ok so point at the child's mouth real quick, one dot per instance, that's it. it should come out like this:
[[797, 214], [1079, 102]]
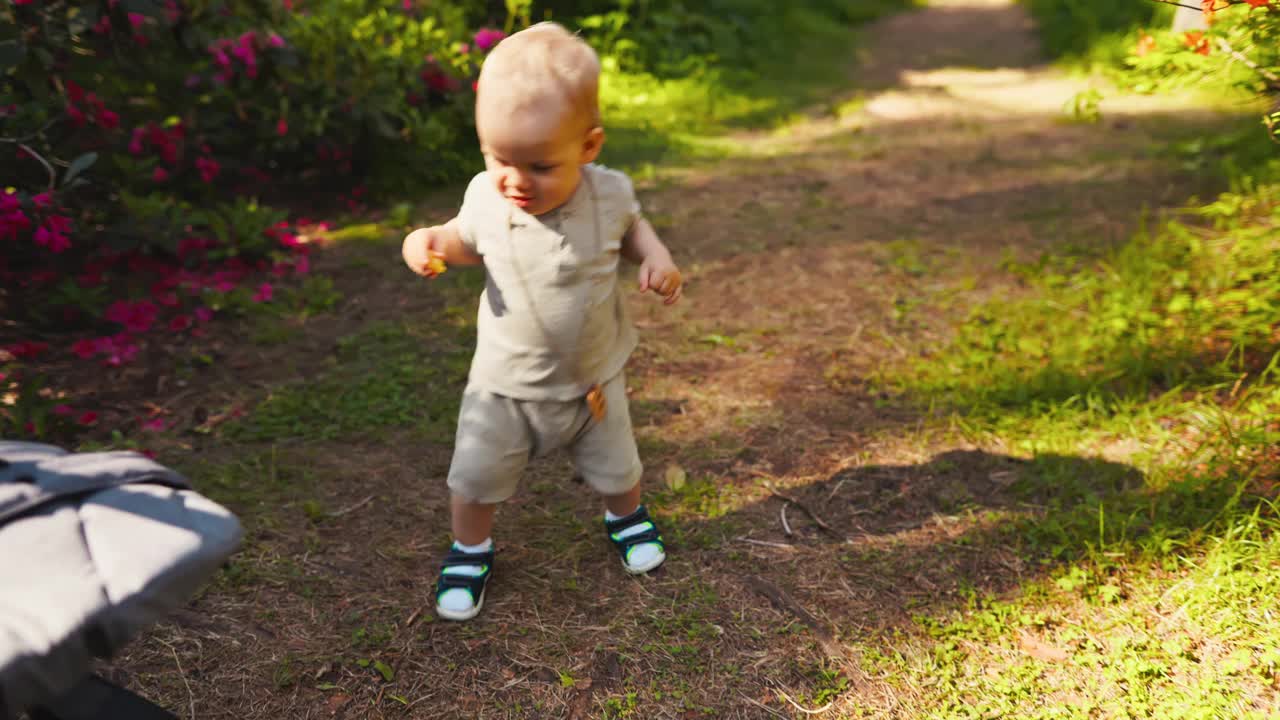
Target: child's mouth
[[520, 201]]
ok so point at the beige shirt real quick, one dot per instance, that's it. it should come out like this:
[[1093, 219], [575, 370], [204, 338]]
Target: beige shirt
[[552, 320]]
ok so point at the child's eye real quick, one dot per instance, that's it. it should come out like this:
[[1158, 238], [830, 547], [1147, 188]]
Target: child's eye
[[543, 168]]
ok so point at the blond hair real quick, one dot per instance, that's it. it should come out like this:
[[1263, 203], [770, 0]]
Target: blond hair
[[539, 65]]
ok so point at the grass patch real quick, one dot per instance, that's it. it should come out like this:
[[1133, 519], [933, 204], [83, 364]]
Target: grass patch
[[652, 118], [382, 377], [1161, 357]]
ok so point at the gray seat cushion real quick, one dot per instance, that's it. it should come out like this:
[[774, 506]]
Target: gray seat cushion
[[93, 548]]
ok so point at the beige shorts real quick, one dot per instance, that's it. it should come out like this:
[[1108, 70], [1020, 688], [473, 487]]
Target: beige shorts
[[498, 435]]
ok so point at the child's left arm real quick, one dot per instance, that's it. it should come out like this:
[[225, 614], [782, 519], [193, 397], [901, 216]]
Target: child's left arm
[[658, 272]]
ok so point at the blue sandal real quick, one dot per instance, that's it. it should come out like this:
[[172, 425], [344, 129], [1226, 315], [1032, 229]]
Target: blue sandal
[[472, 582], [638, 541]]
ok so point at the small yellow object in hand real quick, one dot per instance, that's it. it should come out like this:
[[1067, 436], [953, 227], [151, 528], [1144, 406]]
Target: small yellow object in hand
[[435, 264]]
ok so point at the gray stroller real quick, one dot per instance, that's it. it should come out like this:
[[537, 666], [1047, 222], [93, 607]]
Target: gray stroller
[[94, 547]]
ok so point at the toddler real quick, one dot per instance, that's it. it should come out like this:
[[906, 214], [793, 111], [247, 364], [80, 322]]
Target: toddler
[[550, 228]]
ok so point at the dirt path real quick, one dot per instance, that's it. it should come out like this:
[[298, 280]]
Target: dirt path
[[815, 258]]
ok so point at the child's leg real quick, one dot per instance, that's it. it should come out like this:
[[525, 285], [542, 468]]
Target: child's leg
[[460, 591], [607, 458], [624, 504], [472, 521], [491, 451]]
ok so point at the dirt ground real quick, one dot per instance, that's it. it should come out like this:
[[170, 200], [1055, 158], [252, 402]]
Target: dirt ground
[[818, 516]]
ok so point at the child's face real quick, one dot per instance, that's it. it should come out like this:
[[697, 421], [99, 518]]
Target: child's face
[[536, 158]]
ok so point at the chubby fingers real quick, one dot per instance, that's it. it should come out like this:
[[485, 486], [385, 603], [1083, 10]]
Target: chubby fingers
[[670, 286]]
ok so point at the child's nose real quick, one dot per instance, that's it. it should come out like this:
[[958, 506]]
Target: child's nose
[[517, 179]]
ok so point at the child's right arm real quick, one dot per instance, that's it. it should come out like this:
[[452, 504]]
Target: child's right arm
[[442, 242]]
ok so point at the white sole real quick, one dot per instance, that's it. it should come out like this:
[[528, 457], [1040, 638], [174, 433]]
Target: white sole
[[464, 614], [645, 568]]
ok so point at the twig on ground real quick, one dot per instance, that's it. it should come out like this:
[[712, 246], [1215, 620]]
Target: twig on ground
[[191, 696], [801, 708], [764, 707], [753, 541], [353, 508], [807, 511], [783, 514], [782, 601]]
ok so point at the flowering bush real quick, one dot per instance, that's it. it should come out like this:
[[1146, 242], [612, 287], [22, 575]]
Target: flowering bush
[[138, 136]]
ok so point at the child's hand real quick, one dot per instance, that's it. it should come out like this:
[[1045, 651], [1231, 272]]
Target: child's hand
[[661, 275], [424, 252]]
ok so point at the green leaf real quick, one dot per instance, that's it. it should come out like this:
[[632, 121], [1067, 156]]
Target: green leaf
[[12, 53], [79, 165], [385, 670]]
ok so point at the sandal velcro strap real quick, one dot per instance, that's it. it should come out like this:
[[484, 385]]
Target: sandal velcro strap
[[471, 583], [624, 544]]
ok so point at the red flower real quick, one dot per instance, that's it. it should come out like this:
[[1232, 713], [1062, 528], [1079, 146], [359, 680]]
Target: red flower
[[85, 348], [264, 293], [159, 174], [43, 200], [180, 323], [108, 119], [282, 127], [77, 116], [154, 424], [74, 92], [203, 314], [1258, 3], [88, 418], [27, 349], [63, 410]]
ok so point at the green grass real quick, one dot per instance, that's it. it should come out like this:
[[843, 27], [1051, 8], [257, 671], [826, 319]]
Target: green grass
[[1085, 33], [392, 374], [651, 118], [1161, 357]]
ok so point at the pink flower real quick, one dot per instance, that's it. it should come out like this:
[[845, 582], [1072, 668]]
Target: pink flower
[[275, 41], [75, 93], [136, 20], [55, 241], [179, 323], [487, 37], [9, 202], [89, 417], [109, 119], [43, 200], [136, 317], [264, 293], [302, 266], [135, 142], [463, 48], [122, 349], [154, 424], [159, 174], [208, 167], [58, 223], [282, 127], [63, 410], [203, 314]]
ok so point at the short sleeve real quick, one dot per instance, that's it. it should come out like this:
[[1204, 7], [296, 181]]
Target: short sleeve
[[474, 204], [619, 195]]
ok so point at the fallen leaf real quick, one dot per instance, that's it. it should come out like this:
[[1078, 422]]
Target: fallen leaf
[[676, 477], [1041, 650]]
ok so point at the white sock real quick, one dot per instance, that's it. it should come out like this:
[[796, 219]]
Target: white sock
[[641, 554], [457, 599]]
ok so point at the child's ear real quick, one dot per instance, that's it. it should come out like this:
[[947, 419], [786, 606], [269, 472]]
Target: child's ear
[[592, 145]]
